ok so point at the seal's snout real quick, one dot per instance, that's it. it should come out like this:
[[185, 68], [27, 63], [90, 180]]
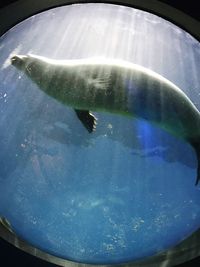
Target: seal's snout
[[17, 60], [13, 60]]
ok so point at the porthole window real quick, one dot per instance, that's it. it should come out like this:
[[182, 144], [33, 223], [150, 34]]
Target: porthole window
[[99, 133]]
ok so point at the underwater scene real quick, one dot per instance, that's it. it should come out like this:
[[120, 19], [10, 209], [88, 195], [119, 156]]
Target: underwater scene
[[121, 192]]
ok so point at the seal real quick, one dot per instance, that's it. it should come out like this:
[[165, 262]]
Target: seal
[[115, 86]]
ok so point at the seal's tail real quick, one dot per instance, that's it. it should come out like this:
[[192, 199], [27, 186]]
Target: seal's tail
[[195, 143]]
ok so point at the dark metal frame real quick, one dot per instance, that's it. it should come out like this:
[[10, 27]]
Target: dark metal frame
[[22, 9]]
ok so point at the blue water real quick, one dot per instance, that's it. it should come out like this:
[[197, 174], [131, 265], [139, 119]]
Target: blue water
[[120, 194]]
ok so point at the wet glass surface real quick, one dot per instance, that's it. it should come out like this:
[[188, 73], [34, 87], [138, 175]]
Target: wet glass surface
[[121, 193]]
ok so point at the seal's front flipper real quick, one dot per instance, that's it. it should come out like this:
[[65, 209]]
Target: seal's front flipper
[[87, 119]]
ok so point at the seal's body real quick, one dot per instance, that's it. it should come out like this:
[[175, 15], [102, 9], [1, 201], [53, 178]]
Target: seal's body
[[118, 87]]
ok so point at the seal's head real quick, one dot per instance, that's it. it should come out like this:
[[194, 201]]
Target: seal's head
[[19, 61], [35, 67]]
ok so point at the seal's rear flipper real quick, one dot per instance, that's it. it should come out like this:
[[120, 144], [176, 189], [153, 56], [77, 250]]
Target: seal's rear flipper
[[88, 120]]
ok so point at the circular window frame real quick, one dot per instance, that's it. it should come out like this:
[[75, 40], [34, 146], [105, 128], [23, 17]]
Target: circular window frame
[[21, 10]]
